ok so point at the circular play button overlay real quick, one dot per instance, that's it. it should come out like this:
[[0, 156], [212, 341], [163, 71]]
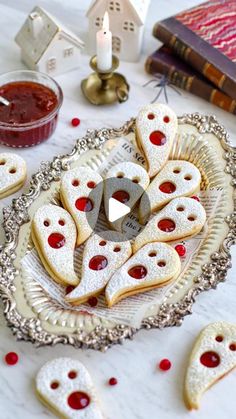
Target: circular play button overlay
[[119, 208]]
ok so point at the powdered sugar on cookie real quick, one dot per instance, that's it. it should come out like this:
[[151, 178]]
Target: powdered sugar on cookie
[[12, 173], [177, 178], [156, 128], [213, 356], [66, 386], [181, 218], [155, 265], [101, 258]]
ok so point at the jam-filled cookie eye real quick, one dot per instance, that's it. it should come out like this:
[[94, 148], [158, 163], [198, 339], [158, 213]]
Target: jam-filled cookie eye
[[161, 263], [102, 243], [151, 116], [91, 184], [120, 175], [2, 162], [75, 182], [72, 375], [232, 346], [46, 223], [12, 170], [116, 249], [54, 385], [152, 254], [61, 222], [219, 338], [192, 218], [180, 208], [177, 170], [188, 177], [136, 180], [166, 119]]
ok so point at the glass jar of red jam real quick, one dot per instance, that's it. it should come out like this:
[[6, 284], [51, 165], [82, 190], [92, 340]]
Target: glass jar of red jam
[[34, 102]]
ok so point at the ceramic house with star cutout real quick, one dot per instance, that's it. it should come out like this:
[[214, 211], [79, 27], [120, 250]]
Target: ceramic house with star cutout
[[127, 19], [46, 45]]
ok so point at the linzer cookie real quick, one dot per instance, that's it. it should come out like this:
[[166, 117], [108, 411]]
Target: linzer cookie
[[81, 194], [153, 266], [156, 128], [180, 219], [124, 182], [212, 357], [54, 236], [101, 258], [12, 173], [65, 386], [177, 178]]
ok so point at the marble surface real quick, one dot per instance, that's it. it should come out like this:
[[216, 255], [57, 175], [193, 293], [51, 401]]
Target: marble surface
[[143, 391]]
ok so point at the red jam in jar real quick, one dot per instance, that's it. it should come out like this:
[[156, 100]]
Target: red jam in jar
[[31, 116]]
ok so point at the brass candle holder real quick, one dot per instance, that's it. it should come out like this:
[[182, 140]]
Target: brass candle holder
[[105, 87]]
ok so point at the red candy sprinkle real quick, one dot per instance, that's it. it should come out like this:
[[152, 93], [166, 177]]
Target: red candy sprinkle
[[121, 196], [78, 400], [157, 138], [196, 198], [84, 204], [138, 272], [97, 263], [56, 240], [113, 381], [75, 122], [92, 301], [165, 364], [11, 358], [166, 225], [180, 249], [210, 359], [167, 187]]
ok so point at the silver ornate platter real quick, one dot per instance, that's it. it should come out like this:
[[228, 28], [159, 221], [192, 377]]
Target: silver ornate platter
[[34, 316]]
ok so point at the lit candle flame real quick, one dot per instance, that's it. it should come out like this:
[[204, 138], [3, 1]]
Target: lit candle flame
[[105, 24]]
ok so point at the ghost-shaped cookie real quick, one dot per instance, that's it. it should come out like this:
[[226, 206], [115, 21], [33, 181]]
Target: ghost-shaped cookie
[[153, 266], [177, 178], [53, 232], [102, 257], [181, 218], [12, 173], [81, 194], [124, 182], [65, 386], [156, 128], [212, 357]]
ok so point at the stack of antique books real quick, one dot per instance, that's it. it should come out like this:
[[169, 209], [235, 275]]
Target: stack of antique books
[[199, 52]]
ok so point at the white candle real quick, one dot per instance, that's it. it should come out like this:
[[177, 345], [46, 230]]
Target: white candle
[[104, 46]]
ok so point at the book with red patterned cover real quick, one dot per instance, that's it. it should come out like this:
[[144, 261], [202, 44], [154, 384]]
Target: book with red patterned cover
[[182, 75], [205, 37]]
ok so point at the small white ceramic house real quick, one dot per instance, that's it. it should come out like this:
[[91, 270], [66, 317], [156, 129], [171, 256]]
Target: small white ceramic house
[[127, 19], [46, 45]]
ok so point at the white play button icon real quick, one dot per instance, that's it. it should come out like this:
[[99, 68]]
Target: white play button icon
[[116, 210]]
